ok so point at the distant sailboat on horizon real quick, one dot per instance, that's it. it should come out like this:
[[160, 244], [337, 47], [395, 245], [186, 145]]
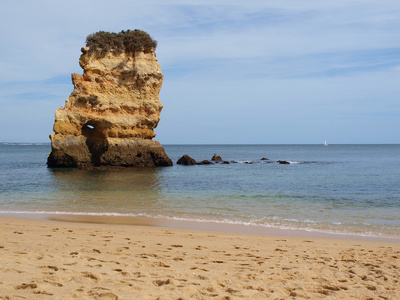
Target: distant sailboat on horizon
[[325, 143]]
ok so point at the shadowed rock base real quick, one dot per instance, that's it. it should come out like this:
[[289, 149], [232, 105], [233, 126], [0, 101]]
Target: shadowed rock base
[[80, 152]]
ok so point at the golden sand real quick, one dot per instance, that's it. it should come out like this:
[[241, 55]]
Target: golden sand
[[42, 259]]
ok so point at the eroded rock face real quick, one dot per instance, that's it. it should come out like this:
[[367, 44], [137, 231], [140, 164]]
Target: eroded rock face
[[110, 116]]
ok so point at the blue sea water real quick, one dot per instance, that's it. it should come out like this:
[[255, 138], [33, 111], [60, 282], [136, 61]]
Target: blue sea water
[[339, 189]]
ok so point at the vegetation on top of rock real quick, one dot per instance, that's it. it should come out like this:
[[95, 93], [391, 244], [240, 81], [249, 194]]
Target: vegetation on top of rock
[[125, 41]]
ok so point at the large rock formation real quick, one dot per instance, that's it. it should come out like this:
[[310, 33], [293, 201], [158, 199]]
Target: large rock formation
[[109, 118]]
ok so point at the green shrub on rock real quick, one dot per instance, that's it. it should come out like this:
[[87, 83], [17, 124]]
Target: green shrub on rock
[[125, 41]]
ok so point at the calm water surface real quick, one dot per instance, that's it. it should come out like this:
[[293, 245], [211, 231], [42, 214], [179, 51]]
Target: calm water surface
[[348, 189]]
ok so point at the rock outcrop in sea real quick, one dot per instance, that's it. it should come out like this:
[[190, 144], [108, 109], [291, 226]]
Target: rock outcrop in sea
[[216, 157], [109, 118], [186, 160]]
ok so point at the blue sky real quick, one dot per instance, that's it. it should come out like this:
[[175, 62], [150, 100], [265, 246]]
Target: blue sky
[[259, 72]]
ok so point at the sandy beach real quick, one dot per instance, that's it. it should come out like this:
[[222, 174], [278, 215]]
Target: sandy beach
[[43, 259]]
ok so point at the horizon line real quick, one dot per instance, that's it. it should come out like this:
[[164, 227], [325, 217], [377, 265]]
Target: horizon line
[[211, 144]]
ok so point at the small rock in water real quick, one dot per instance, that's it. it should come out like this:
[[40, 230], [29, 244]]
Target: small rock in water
[[186, 160], [283, 162], [205, 162], [216, 158]]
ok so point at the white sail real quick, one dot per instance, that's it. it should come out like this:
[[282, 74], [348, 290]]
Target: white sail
[[325, 143]]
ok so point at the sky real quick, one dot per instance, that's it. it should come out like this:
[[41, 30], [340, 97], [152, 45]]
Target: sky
[[235, 72]]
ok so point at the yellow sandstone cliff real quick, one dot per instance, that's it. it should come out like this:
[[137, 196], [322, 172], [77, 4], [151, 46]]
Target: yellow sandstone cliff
[[109, 118]]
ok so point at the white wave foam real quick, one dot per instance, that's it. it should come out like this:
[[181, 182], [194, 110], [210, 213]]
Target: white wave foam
[[249, 162], [68, 213], [256, 224]]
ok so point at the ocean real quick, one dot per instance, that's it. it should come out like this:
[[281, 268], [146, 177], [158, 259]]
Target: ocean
[[343, 190]]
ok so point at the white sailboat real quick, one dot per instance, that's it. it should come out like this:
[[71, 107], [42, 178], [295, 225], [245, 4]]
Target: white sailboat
[[325, 143]]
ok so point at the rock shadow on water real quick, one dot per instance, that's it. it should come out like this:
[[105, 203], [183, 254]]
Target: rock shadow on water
[[126, 191]]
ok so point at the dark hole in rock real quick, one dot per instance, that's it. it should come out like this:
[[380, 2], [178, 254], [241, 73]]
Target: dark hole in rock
[[95, 140]]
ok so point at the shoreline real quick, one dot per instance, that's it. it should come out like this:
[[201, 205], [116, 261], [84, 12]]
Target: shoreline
[[200, 225], [43, 259]]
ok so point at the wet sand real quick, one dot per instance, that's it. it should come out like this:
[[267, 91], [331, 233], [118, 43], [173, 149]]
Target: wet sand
[[47, 259]]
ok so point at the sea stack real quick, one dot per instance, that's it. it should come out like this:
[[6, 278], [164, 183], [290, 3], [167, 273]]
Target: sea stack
[[109, 118]]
